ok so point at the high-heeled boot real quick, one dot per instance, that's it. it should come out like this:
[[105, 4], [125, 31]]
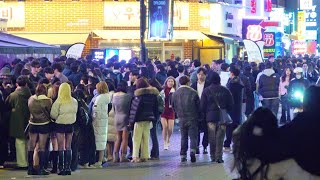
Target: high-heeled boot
[[67, 162], [42, 161], [61, 163], [54, 155]]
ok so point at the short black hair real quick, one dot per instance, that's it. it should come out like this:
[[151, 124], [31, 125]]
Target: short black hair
[[57, 66], [184, 80], [134, 73], [21, 81], [122, 86], [215, 78], [25, 72], [196, 63], [74, 67], [269, 65], [180, 68], [161, 67], [235, 71], [35, 64], [202, 70], [44, 81], [224, 66], [116, 65], [48, 70]]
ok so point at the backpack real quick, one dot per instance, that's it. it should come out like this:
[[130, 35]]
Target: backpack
[[83, 117]]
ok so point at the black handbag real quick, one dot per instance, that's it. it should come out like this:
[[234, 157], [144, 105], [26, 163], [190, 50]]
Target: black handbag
[[225, 118]]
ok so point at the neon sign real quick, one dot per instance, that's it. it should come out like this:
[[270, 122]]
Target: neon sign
[[268, 39], [254, 33], [268, 5], [253, 6]]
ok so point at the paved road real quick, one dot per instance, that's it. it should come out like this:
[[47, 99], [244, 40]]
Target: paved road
[[169, 167]]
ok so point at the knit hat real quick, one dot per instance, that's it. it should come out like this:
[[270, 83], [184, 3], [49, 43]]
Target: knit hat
[[5, 71]]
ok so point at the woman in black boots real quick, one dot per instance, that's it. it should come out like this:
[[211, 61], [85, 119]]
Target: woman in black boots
[[39, 128], [64, 111]]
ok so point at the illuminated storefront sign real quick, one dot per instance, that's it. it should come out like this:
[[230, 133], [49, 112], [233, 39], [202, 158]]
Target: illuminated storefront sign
[[257, 9], [301, 20], [268, 5], [14, 12], [311, 17], [252, 30], [160, 19], [299, 47], [269, 44]]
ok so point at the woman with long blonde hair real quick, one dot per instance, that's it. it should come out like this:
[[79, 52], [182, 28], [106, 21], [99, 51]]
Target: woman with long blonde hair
[[64, 112]]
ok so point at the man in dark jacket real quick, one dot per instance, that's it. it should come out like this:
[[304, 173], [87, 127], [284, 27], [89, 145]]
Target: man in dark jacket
[[236, 88], [19, 118], [268, 88], [35, 69], [75, 76], [249, 94], [186, 104], [199, 86], [212, 95]]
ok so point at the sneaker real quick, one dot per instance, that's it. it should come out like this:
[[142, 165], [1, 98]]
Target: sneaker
[[85, 166], [212, 159], [166, 147], [97, 165], [197, 151], [193, 157]]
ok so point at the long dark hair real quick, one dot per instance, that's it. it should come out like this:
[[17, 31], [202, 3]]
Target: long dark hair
[[284, 74], [250, 141]]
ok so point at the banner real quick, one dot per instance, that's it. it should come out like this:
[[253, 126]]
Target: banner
[[301, 25], [269, 44], [75, 51], [253, 51], [160, 19]]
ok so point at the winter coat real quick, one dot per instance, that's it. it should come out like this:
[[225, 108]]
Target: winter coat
[[75, 78], [40, 108], [208, 104], [161, 77], [144, 106], [20, 115], [237, 90], [195, 86], [64, 113], [193, 75], [112, 130], [121, 106], [250, 96], [186, 104], [100, 120], [269, 83]]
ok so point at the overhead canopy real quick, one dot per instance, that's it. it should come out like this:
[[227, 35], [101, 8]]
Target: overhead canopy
[[55, 38], [24, 46], [135, 34], [224, 37]]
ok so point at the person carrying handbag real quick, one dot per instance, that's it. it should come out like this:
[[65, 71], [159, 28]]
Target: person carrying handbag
[[215, 103]]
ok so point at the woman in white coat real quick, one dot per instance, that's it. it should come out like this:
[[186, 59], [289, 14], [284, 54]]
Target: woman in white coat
[[100, 120]]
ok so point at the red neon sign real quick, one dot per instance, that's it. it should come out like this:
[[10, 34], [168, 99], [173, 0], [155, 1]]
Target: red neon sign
[[253, 6], [268, 5], [254, 33], [268, 39]]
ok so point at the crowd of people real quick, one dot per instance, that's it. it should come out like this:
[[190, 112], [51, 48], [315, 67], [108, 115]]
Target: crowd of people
[[82, 113]]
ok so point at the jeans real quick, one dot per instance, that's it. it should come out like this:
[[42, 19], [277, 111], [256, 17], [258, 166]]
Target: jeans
[[21, 152], [272, 104], [141, 135], [216, 136], [204, 128], [285, 109], [154, 139], [229, 130], [188, 130]]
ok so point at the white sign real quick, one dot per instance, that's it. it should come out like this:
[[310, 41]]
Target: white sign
[[127, 14], [75, 51], [253, 51], [277, 14], [311, 17], [14, 12], [204, 17], [305, 4], [225, 20], [311, 35]]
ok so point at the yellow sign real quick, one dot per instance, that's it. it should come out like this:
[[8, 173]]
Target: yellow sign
[[301, 31]]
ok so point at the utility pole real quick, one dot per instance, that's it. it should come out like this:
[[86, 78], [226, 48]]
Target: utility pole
[[143, 20]]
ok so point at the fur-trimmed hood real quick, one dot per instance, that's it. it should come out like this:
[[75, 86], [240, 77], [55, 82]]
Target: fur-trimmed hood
[[148, 90]]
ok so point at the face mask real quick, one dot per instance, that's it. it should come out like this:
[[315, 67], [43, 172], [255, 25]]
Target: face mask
[[298, 76]]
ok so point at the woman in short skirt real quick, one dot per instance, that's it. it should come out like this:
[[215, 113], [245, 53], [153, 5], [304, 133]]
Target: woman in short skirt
[[39, 127], [64, 112]]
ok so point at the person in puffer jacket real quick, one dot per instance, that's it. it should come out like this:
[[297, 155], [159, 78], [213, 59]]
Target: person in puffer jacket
[[100, 120], [144, 110], [64, 112]]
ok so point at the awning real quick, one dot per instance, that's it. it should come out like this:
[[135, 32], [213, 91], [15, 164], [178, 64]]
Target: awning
[[224, 37], [135, 34], [55, 38]]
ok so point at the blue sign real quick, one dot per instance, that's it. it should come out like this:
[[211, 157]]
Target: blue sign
[[278, 44], [160, 19]]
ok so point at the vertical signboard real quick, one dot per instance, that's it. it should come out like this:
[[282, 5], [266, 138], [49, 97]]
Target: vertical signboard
[[301, 25], [305, 4], [252, 30], [269, 44], [160, 19]]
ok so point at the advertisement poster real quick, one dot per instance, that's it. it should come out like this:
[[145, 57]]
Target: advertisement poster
[[299, 47], [160, 19], [278, 45], [269, 44], [253, 51], [301, 20]]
